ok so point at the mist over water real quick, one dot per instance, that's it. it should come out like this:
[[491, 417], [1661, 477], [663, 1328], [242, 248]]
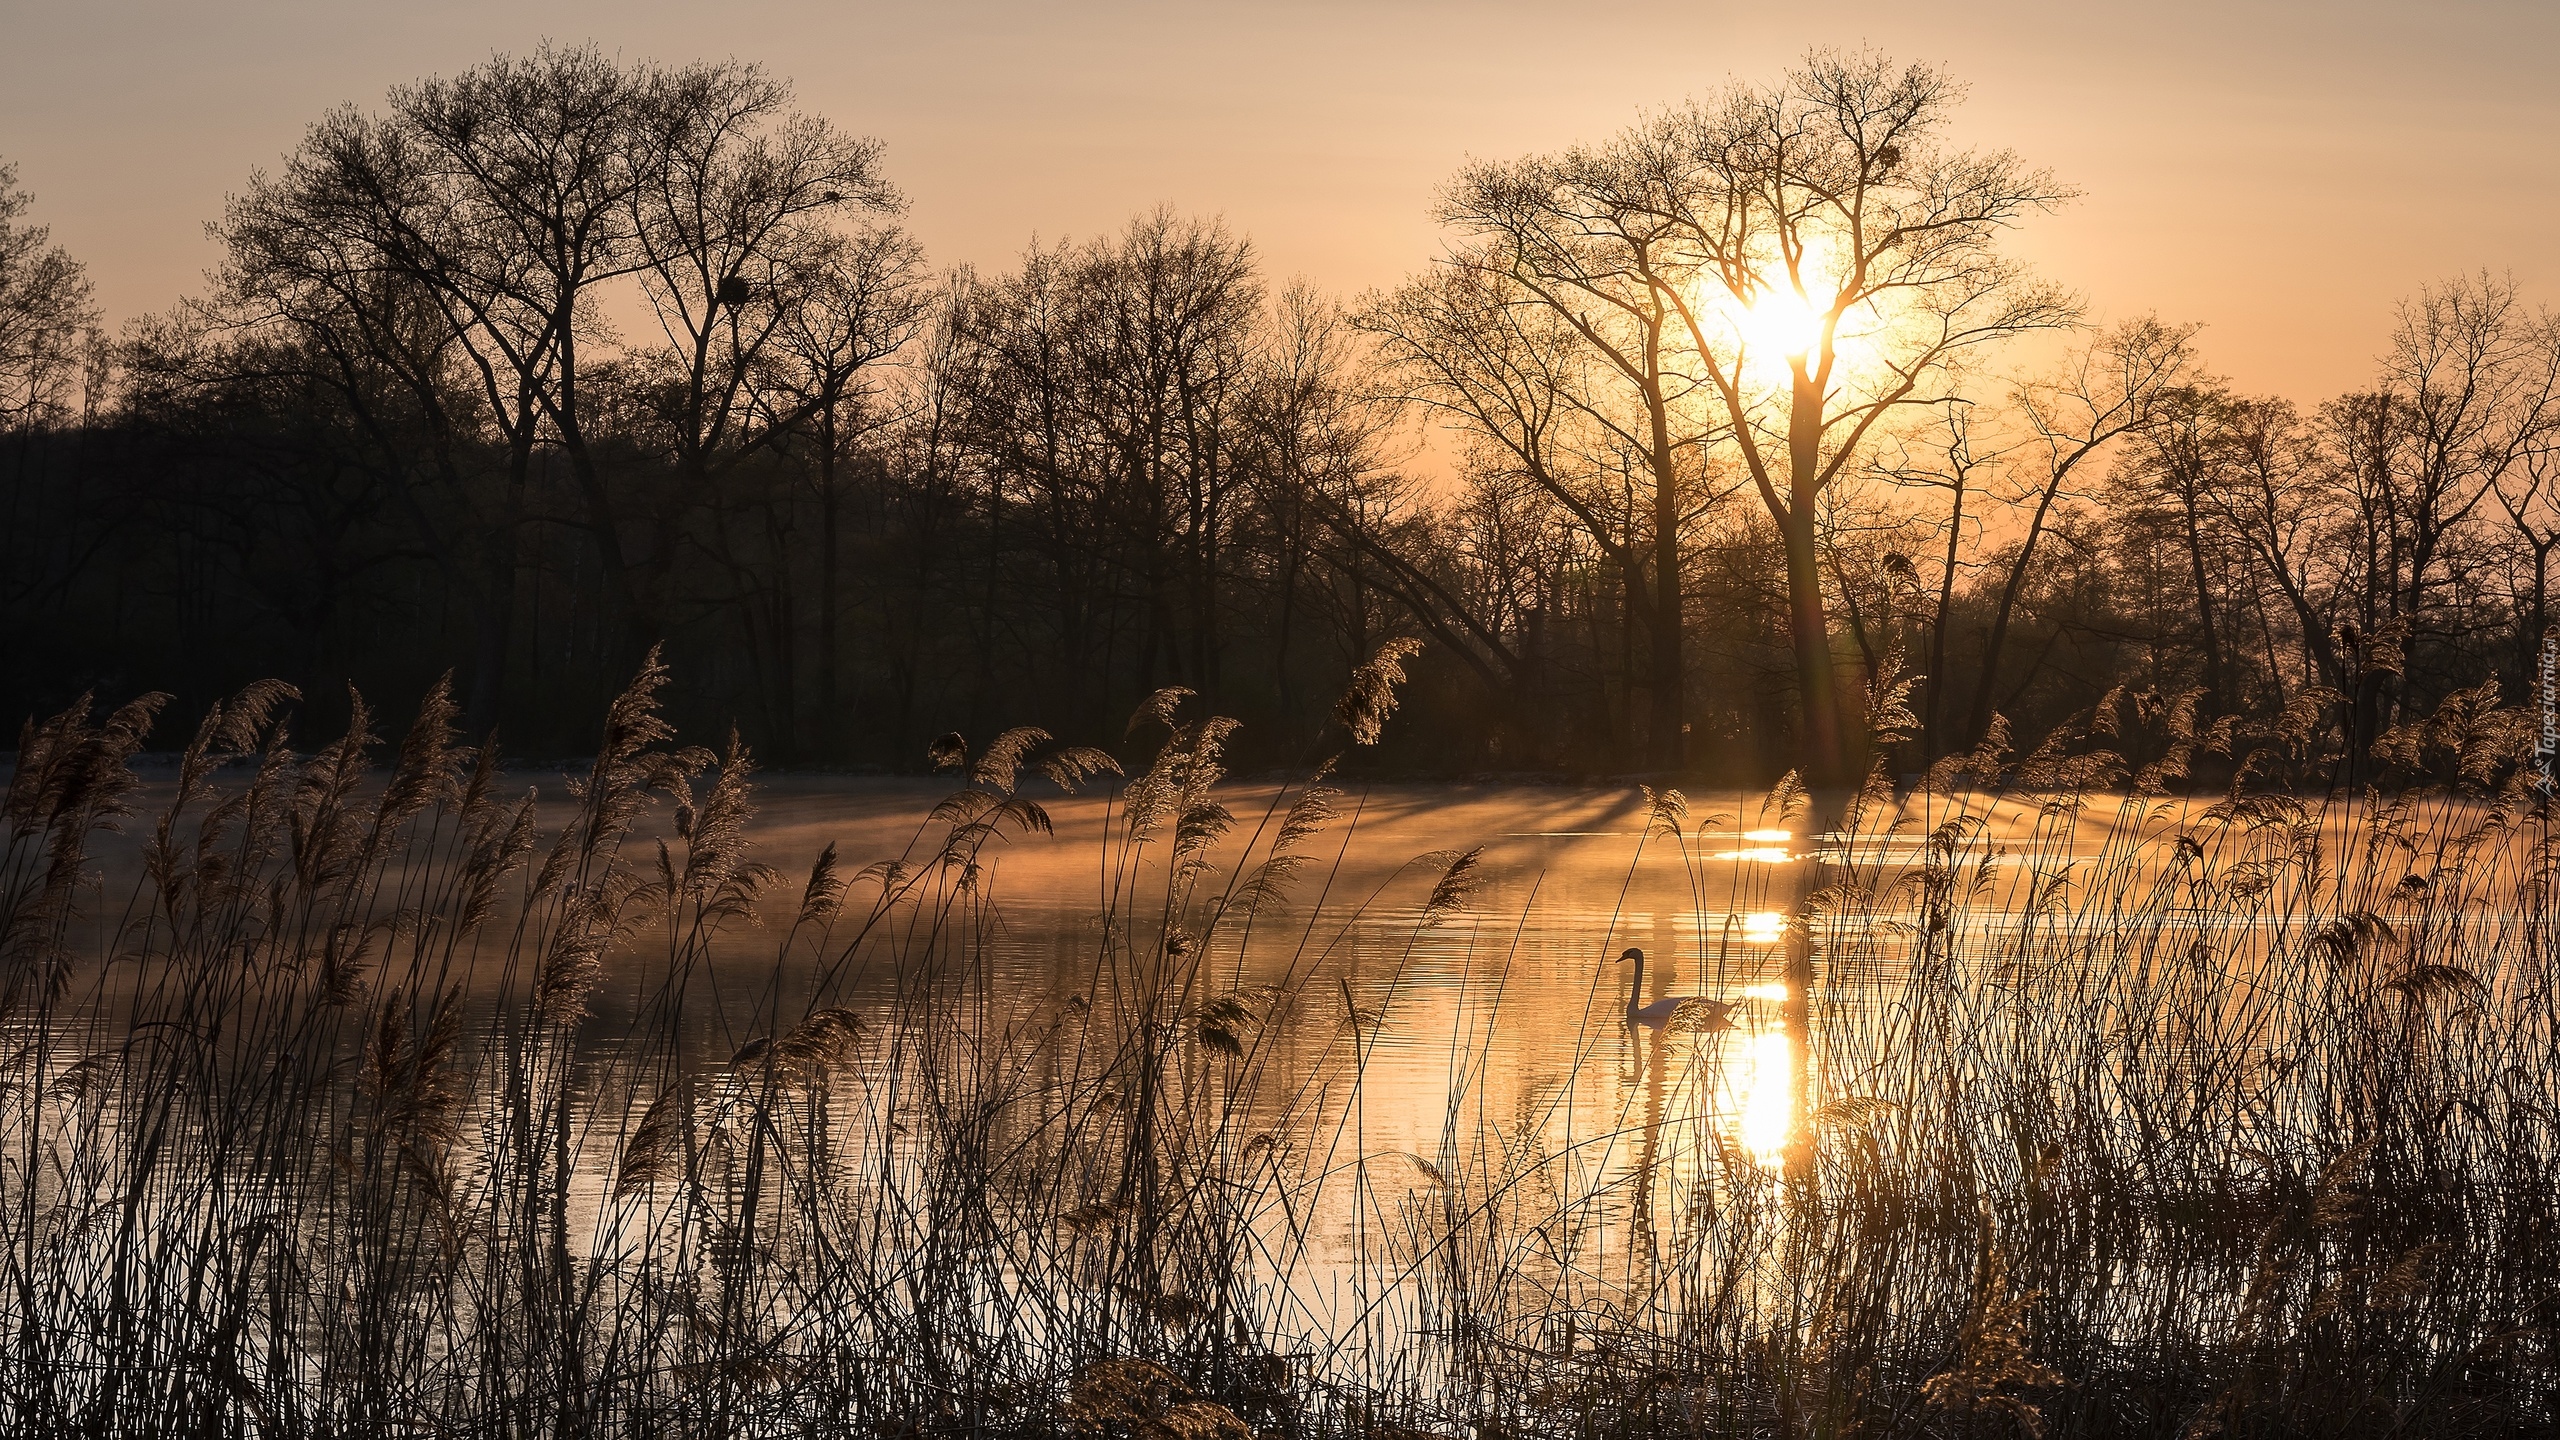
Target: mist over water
[[1511, 1007]]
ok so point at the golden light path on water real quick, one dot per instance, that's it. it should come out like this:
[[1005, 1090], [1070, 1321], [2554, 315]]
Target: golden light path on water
[[1766, 1092]]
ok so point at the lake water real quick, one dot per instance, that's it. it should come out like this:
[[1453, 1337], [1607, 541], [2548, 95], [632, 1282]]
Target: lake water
[[2162, 953], [1512, 1006], [1516, 997]]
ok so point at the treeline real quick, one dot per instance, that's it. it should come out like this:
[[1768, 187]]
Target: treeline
[[1695, 448]]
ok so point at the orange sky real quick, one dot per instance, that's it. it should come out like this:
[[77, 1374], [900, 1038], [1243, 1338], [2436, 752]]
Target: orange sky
[[2279, 172]]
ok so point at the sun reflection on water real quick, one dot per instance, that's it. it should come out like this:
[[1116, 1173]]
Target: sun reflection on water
[[1765, 1095]]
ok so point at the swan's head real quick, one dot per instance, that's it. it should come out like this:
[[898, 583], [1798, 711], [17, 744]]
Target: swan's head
[[1632, 953]]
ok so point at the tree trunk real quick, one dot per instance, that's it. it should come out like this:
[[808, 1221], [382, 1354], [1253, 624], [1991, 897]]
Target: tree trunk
[[1987, 685], [1933, 720], [1668, 750], [2213, 684], [495, 622], [1824, 760], [828, 732]]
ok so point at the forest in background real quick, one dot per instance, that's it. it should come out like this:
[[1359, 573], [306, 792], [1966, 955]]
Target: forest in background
[[1694, 446]]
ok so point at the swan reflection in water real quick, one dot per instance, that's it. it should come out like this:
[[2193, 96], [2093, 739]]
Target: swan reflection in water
[[1745, 1081], [1751, 1076]]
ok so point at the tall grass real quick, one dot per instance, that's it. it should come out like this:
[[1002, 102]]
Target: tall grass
[[2242, 1122]]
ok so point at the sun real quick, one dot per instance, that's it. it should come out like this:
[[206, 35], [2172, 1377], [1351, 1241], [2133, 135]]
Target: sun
[[1774, 319], [1781, 322]]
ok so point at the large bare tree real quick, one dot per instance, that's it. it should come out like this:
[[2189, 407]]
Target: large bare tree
[[507, 203], [502, 198], [1552, 339], [1756, 282], [734, 228], [1843, 261], [2466, 393], [856, 302]]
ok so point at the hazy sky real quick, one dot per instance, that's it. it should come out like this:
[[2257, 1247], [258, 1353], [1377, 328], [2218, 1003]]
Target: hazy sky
[[2280, 172]]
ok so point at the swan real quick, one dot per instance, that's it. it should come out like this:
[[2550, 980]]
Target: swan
[[1709, 1014]]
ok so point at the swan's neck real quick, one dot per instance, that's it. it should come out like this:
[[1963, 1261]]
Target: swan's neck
[[1635, 987]]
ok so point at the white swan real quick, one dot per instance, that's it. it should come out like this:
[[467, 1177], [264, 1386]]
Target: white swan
[[1702, 1013]]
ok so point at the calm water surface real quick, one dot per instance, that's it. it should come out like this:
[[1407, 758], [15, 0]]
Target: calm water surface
[[1505, 1018], [1515, 1002]]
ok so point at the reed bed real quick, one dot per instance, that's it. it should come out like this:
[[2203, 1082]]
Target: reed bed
[[312, 1126]]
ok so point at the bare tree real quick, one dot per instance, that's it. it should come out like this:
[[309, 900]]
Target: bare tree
[[1316, 447], [2110, 387], [857, 301], [2463, 394], [2529, 496], [46, 318], [1949, 453], [48, 332], [503, 196], [1843, 261], [2271, 489], [2480, 373], [2173, 468], [1554, 336], [730, 224]]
